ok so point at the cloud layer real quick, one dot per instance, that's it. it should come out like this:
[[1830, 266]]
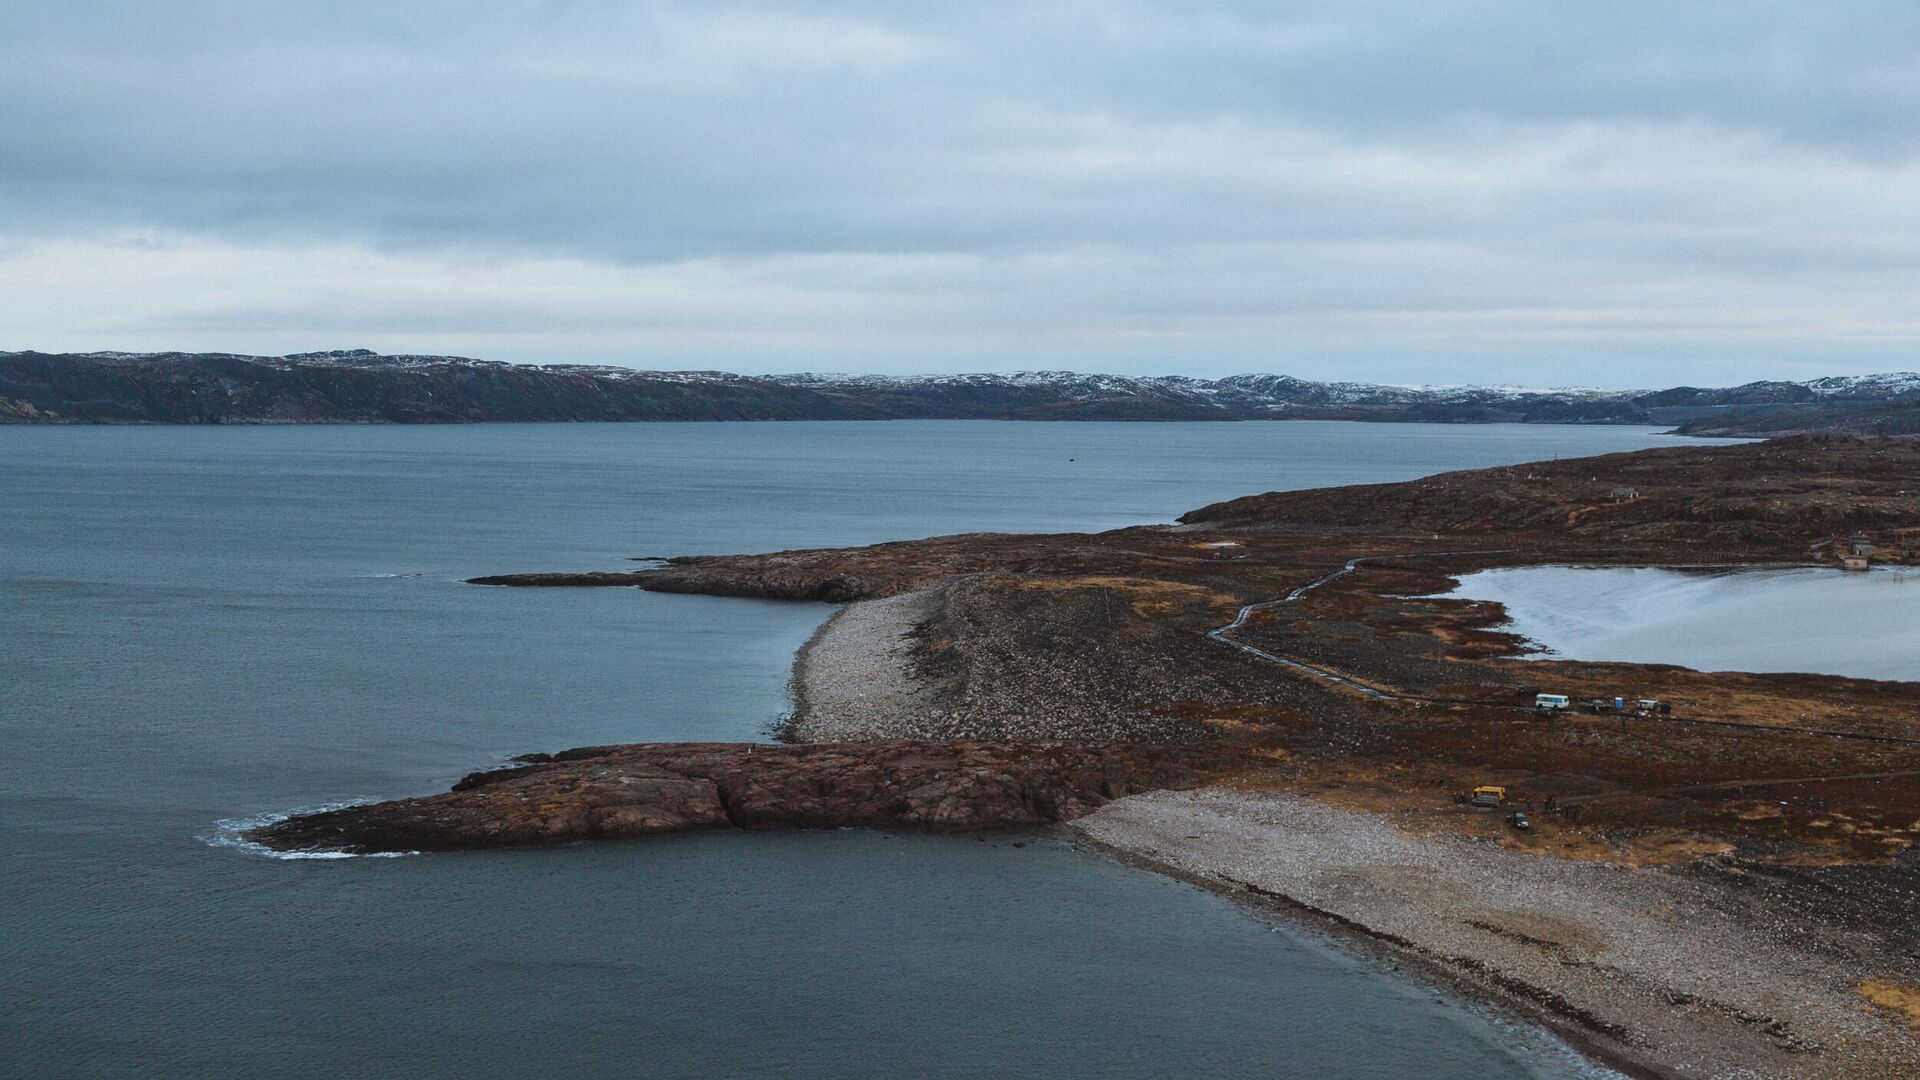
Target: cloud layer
[[1624, 194]]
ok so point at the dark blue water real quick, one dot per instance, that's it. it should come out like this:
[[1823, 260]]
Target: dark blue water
[[201, 625]]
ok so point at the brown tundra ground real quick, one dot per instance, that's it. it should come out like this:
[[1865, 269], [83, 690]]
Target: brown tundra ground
[[1735, 891]]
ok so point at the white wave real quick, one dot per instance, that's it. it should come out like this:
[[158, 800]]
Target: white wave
[[231, 833]]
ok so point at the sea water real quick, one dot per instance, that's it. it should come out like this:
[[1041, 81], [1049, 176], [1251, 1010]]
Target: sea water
[[202, 627]]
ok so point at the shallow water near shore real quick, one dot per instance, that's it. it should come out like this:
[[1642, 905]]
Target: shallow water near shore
[[205, 625], [1803, 619]]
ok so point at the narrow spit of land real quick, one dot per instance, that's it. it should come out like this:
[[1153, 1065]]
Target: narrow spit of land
[[1725, 889]]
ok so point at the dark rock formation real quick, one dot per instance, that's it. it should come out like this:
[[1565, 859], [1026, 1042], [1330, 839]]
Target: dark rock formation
[[608, 792]]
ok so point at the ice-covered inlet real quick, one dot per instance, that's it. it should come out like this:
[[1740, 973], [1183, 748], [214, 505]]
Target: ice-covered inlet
[[1803, 619]]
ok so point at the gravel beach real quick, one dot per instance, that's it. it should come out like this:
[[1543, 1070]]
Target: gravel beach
[[855, 678], [888, 669], [1723, 888], [1660, 972], [1644, 967]]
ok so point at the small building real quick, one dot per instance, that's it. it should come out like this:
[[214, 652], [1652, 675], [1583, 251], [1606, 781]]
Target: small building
[[1854, 562], [1859, 544], [1625, 494]]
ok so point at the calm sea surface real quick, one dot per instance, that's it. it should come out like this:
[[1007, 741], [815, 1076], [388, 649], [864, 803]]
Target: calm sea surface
[[203, 625]]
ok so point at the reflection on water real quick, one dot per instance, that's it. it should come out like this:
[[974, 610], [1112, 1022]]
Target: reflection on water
[[1810, 619]]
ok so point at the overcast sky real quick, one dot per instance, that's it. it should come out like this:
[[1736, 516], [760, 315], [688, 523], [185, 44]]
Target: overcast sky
[[1614, 194]]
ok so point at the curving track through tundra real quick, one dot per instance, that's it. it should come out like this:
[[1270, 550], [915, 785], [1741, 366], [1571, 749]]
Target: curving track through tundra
[[1223, 634]]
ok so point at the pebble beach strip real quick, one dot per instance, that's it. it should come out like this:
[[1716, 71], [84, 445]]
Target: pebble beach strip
[[1644, 968], [1635, 964], [854, 679]]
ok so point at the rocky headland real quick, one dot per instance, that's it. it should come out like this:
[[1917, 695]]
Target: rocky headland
[[622, 792], [1273, 698]]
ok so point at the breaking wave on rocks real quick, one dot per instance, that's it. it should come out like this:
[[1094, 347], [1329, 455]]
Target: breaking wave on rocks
[[232, 833]]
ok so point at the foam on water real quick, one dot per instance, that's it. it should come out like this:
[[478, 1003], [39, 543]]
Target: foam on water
[[231, 833]]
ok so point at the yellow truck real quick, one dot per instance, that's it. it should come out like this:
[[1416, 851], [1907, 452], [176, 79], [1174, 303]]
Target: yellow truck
[[1488, 796]]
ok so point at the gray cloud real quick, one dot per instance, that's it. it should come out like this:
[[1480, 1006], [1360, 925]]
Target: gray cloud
[[1618, 194]]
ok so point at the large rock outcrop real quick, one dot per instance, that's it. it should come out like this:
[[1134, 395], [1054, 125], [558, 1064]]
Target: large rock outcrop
[[609, 792]]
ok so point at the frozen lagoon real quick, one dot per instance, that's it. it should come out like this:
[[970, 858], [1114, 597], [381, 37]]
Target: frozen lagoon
[[1807, 619]]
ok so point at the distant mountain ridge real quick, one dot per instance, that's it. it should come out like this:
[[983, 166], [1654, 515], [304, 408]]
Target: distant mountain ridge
[[359, 386]]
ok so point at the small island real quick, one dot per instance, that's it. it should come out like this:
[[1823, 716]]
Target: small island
[[1274, 699]]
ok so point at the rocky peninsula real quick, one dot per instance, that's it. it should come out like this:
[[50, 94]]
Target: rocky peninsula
[[622, 792], [1272, 699]]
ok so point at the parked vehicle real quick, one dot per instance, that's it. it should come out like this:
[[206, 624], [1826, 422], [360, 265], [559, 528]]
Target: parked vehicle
[[1489, 796], [1551, 702]]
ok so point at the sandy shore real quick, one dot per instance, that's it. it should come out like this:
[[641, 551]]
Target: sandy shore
[[1646, 968]]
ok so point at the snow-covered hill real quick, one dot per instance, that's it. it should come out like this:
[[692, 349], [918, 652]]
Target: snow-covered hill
[[360, 385]]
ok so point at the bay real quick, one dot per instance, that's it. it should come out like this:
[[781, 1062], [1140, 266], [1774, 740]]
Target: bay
[[207, 625]]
